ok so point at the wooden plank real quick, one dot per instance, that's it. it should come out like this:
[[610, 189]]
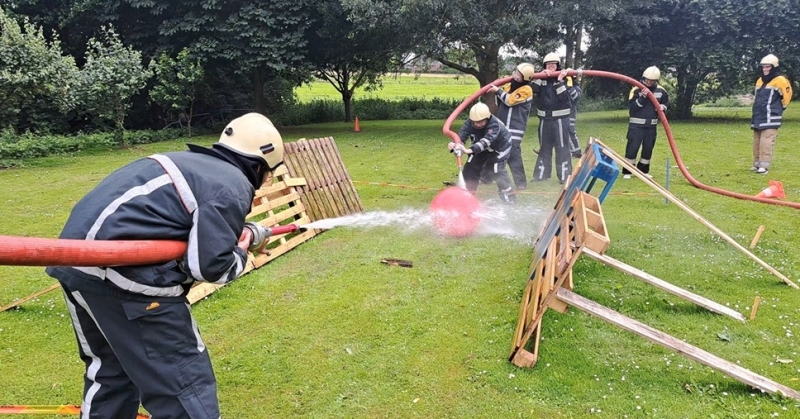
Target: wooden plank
[[314, 182], [351, 201], [658, 337], [295, 168], [672, 198], [351, 187], [330, 184], [664, 285], [757, 236], [30, 297]]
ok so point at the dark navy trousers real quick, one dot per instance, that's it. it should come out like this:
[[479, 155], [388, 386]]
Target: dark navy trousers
[[141, 351]]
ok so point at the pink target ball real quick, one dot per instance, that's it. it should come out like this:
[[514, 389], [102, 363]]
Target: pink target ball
[[454, 212]]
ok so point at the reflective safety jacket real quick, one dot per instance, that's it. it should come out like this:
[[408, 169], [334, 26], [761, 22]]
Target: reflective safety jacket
[[493, 137], [185, 196], [770, 102], [515, 109], [642, 113], [551, 98]]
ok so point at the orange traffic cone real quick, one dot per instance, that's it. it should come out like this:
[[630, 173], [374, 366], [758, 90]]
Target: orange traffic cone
[[775, 190], [356, 126]]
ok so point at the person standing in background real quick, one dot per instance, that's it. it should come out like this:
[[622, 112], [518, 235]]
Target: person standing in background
[[551, 98], [643, 121], [772, 95]]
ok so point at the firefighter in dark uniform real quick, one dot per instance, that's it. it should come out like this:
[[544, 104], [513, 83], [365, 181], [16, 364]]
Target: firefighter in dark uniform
[[134, 327], [551, 98], [490, 147], [643, 121], [514, 110], [772, 96]]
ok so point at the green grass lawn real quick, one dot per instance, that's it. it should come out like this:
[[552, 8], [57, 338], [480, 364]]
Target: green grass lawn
[[398, 87], [328, 331]]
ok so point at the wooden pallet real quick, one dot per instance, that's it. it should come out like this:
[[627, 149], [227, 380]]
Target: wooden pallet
[[276, 203], [312, 185], [329, 191]]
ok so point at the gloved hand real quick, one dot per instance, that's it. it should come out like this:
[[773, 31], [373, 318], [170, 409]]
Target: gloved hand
[[451, 146], [663, 107], [644, 92]]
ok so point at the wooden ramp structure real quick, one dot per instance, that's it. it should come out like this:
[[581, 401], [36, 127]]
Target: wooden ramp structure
[[577, 226], [313, 184]]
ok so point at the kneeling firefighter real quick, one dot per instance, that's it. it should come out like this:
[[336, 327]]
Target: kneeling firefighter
[[490, 146]]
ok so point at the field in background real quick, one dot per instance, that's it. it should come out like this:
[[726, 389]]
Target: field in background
[[397, 87], [328, 331]]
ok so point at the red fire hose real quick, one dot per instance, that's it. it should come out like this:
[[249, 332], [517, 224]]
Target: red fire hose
[[29, 251], [661, 116]]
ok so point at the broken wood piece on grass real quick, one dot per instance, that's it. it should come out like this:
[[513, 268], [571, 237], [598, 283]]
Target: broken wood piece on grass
[[757, 236], [756, 303], [398, 262]]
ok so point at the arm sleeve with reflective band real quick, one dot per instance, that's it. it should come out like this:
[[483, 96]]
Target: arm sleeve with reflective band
[[490, 135], [523, 94], [664, 98], [212, 251]]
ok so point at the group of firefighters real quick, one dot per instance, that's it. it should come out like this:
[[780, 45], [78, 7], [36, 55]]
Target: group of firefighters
[[134, 329], [496, 140]]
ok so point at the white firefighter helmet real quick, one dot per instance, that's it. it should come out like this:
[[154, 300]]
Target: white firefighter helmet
[[552, 57], [527, 70], [479, 112], [652, 73], [254, 134], [770, 60]]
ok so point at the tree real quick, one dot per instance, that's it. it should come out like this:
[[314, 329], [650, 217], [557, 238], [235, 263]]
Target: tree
[[465, 35], [177, 82], [113, 73], [694, 41], [36, 80], [348, 56], [263, 39]]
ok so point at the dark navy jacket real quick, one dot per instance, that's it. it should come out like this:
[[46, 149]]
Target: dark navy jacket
[[184, 196]]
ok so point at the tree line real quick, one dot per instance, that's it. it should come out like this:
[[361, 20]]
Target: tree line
[[68, 65]]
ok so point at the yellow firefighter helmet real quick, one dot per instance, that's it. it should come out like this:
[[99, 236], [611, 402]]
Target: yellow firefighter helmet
[[527, 70], [254, 134], [770, 60], [479, 112], [652, 73], [552, 58]]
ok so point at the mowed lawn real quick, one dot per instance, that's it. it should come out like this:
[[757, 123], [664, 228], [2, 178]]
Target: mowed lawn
[[398, 87], [328, 331]]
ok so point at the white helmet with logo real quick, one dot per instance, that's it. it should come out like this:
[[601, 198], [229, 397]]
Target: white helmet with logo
[[479, 112], [254, 134]]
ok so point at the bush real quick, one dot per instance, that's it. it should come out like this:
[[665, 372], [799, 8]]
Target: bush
[[16, 147], [319, 111], [602, 103]]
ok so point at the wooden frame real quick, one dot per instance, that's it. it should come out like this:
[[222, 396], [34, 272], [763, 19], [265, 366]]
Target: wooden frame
[[576, 226]]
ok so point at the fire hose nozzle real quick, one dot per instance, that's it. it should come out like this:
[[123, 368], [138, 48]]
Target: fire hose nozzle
[[261, 234]]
